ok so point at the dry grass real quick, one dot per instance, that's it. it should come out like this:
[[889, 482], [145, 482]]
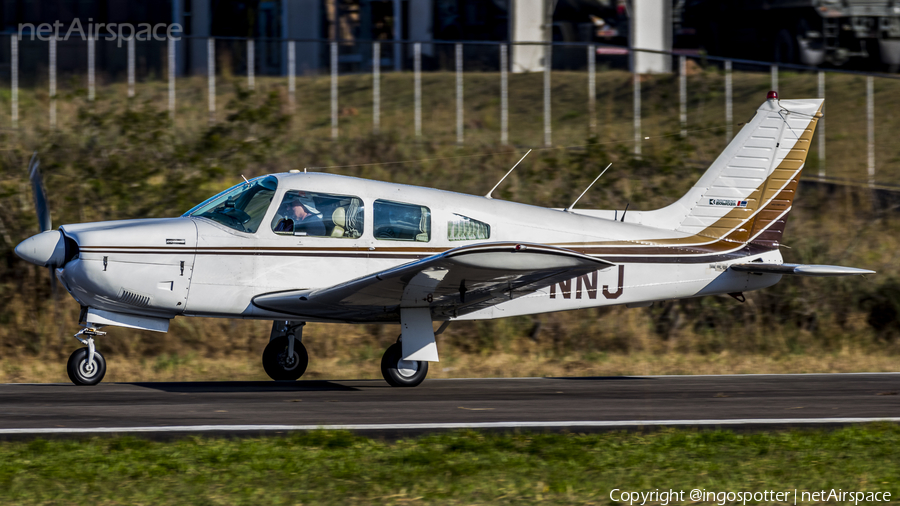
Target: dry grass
[[247, 367]]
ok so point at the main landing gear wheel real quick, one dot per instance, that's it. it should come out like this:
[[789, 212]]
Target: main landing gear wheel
[[279, 365], [402, 373], [83, 373]]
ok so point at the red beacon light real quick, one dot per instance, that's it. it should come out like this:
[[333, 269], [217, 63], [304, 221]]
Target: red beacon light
[[772, 95]]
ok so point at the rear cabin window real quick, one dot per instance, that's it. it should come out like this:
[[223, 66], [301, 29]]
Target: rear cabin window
[[314, 214], [396, 221], [463, 228]]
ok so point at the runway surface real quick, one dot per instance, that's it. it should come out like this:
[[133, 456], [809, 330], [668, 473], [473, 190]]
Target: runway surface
[[372, 406]]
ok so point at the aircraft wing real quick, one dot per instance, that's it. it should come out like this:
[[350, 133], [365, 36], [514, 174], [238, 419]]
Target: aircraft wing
[[799, 269], [452, 283]]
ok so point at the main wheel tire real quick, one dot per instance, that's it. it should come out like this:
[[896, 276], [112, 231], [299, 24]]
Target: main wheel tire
[[82, 373], [279, 366], [402, 373]]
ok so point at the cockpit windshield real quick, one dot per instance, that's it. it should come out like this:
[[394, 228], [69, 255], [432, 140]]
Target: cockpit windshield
[[240, 207]]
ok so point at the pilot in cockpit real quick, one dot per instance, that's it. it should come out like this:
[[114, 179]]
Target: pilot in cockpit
[[300, 216]]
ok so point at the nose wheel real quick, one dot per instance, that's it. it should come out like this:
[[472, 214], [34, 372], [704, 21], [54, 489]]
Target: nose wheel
[[402, 373], [86, 366], [84, 372]]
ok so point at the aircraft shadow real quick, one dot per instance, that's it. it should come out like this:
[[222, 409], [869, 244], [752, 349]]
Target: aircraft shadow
[[600, 378], [245, 386]]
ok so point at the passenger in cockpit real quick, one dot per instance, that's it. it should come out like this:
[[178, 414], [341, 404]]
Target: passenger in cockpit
[[301, 216]]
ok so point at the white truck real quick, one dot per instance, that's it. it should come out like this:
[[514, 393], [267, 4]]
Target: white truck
[[809, 32]]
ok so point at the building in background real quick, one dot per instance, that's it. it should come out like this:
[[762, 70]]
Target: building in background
[[352, 23]]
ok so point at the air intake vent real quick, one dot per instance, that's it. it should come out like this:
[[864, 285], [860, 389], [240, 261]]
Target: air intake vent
[[71, 249], [134, 299]]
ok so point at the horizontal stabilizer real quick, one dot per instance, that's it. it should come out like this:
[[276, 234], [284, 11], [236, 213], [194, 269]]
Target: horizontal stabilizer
[[800, 269]]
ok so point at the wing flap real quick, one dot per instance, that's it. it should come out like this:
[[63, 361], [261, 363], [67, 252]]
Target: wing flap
[[800, 269], [456, 282]]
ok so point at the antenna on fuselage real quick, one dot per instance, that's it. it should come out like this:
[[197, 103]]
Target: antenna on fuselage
[[569, 209], [245, 179], [504, 177]]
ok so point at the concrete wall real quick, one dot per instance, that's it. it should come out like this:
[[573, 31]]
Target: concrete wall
[[651, 22], [527, 25]]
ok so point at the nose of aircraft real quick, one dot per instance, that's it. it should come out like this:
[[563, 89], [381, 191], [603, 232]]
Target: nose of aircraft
[[47, 249]]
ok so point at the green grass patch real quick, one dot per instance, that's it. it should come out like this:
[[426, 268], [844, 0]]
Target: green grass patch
[[451, 468]]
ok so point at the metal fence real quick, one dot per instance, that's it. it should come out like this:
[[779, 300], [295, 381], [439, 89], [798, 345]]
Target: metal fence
[[699, 100]]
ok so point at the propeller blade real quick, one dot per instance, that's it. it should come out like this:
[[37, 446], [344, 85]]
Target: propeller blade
[[52, 282], [40, 206], [40, 194]]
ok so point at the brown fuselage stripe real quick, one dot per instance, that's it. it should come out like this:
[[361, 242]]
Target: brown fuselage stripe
[[596, 251], [746, 250]]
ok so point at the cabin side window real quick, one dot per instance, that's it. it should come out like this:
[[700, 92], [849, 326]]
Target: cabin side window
[[463, 228], [396, 221], [313, 214]]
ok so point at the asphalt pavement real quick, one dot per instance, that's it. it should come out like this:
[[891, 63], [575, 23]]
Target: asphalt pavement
[[575, 403]]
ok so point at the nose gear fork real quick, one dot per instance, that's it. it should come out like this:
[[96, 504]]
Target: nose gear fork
[[90, 332]]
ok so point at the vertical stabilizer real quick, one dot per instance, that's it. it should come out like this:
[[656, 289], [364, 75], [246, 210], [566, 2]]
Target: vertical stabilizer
[[746, 194]]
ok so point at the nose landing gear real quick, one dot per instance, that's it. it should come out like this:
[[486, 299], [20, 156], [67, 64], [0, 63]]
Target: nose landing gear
[[86, 366]]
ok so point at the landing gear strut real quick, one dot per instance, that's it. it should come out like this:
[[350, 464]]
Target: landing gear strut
[[87, 366], [402, 373], [285, 358]]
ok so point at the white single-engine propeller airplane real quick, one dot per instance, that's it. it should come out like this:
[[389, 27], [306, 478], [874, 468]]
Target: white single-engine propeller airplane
[[314, 247]]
